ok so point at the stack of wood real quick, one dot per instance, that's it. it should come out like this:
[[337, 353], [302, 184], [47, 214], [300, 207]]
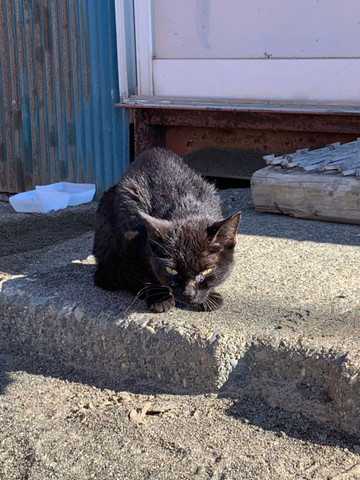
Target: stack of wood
[[322, 184]]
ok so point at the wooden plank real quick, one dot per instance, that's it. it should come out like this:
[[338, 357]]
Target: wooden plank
[[238, 104], [313, 196], [334, 157]]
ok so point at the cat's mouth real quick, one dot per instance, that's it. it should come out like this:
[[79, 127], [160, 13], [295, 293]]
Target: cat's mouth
[[211, 302], [201, 301]]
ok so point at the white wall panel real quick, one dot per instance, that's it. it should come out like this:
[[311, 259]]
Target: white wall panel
[[296, 80], [256, 28]]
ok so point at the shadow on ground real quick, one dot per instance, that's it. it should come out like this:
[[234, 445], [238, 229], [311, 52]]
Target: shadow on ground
[[285, 389], [5, 379], [282, 422], [21, 233], [279, 226], [245, 409], [55, 255], [282, 226]]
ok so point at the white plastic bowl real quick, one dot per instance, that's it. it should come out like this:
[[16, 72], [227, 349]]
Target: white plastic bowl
[[39, 201], [78, 192]]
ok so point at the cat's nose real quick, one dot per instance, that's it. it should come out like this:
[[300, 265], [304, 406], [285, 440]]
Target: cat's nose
[[190, 290]]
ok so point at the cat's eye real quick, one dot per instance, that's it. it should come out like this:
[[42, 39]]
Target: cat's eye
[[171, 271], [207, 272], [204, 274]]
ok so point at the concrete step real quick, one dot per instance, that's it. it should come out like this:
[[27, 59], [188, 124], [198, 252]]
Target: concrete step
[[288, 332]]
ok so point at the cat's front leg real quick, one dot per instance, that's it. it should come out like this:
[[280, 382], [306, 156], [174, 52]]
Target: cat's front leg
[[160, 299]]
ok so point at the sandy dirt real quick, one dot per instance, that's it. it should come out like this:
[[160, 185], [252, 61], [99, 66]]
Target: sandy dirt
[[52, 428]]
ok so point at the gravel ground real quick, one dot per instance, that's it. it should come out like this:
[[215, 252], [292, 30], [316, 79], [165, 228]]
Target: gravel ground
[[56, 429]]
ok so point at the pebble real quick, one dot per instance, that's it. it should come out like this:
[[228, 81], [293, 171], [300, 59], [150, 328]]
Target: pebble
[[200, 470]]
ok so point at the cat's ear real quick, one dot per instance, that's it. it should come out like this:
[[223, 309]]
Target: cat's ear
[[156, 227], [222, 234]]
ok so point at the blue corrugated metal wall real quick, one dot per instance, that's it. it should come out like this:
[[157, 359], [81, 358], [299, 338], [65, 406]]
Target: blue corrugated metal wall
[[58, 85]]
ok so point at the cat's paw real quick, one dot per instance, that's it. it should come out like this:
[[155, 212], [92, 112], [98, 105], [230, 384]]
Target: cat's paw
[[213, 302], [162, 306], [160, 299]]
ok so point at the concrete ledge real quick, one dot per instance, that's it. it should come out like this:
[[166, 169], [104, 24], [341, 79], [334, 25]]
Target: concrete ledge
[[59, 317], [288, 333], [59, 314], [321, 383]]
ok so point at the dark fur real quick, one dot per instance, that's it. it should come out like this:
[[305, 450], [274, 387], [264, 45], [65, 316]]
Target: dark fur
[[161, 216]]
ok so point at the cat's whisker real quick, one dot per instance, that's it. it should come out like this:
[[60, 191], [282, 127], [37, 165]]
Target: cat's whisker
[[137, 296], [142, 290], [162, 248], [205, 304], [207, 307], [214, 303], [211, 300], [148, 288], [133, 302], [210, 304]]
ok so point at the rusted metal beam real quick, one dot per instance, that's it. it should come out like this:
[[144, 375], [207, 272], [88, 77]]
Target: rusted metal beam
[[187, 139], [147, 135], [238, 135]]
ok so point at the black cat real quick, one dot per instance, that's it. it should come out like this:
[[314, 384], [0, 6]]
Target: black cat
[[160, 233]]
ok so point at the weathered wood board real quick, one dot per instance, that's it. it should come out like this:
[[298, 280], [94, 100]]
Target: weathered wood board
[[343, 158], [318, 196]]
